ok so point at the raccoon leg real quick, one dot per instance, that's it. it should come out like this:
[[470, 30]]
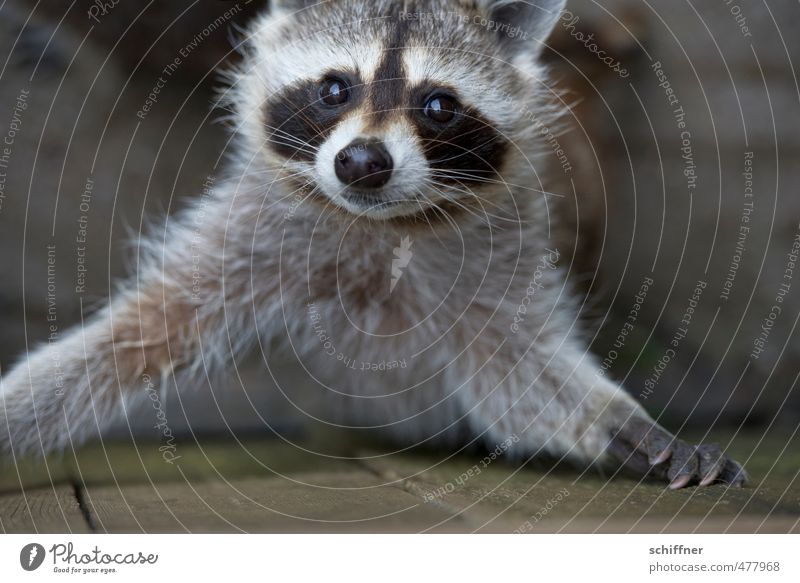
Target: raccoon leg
[[171, 317], [561, 407], [70, 390]]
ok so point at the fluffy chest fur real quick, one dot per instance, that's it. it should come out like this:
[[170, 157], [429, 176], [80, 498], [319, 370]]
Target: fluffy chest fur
[[413, 288]]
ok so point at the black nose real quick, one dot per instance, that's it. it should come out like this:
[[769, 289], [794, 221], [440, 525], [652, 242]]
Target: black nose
[[364, 164]]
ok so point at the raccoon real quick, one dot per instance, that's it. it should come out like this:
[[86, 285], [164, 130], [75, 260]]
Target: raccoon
[[384, 222]]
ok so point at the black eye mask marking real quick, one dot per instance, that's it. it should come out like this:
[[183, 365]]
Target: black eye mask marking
[[468, 148], [298, 121]]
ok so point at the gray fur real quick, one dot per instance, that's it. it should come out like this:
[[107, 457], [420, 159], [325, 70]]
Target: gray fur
[[284, 262]]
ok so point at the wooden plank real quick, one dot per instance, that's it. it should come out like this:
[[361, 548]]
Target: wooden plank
[[143, 462], [256, 485], [32, 473], [499, 497], [48, 510], [743, 524], [314, 502]]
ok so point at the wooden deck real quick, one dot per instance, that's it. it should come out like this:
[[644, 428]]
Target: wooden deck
[[271, 486]]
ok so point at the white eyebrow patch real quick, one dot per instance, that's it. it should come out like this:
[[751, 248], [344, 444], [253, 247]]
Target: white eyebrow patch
[[422, 63], [436, 66], [371, 60], [312, 55]]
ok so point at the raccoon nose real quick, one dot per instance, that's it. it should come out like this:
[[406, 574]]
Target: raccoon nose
[[364, 164]]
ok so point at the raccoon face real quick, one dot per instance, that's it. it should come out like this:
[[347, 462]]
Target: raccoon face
[[388, 108]]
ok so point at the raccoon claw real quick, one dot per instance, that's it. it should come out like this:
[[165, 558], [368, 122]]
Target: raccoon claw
[[649, 450]]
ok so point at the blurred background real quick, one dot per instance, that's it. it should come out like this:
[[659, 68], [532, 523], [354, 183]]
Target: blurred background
[[681, 147]]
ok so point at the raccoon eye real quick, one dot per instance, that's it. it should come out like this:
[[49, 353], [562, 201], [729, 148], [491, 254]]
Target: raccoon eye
[[334, 91], [441, 108]]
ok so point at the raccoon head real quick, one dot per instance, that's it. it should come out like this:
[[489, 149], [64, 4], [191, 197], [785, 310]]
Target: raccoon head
[[387, 108]]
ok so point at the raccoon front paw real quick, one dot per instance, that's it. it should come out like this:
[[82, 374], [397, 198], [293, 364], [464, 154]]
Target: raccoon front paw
[[648, 449]]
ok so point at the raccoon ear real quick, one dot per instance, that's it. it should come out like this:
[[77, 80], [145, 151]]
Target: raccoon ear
[[523, 24]]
